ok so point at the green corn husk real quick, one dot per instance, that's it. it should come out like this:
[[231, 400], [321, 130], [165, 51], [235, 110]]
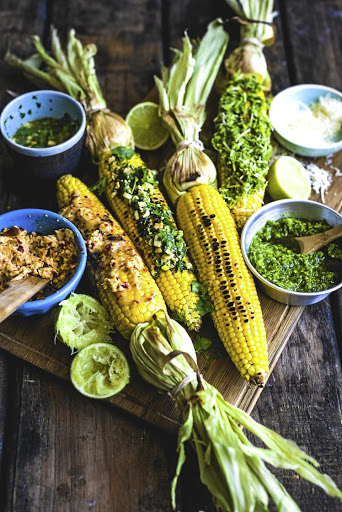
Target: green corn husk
[[230, 466], [183, 93], [73, 72]]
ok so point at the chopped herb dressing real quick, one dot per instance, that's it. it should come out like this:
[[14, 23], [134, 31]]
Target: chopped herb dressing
[[242, 138], [135, 184], [278, 263], [46, 131]]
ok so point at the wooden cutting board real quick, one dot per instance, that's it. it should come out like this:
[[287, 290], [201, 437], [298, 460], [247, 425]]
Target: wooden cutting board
[[32, 339]]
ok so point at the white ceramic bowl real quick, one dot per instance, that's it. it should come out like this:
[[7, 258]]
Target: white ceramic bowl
[[288, 100]]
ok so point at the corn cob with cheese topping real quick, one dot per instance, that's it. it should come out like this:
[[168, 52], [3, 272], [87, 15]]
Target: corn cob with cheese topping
[[126, 287], [214, 245], [133, 194]]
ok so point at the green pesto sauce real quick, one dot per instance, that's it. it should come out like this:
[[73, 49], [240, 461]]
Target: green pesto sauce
[[280, 265], [46, 132]]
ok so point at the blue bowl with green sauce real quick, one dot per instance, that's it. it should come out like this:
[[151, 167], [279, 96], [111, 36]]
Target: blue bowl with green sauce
[[51, 162], [298, 209]]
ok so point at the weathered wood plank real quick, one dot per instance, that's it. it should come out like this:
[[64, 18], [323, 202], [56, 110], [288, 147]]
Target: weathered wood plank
[[75, 454]]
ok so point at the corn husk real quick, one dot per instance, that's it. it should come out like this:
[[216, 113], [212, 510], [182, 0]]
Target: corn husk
[[249, 57], [73, 72], [183, 92], [230, 466]]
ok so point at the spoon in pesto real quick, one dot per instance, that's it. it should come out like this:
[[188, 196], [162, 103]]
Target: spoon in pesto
[[307, 244]]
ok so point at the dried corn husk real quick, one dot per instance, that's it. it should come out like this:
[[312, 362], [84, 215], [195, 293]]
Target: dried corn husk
[[73, 72], [230, 466], [183, 93]]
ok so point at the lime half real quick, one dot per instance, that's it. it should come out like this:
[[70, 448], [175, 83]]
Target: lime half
[[148, 130], [100, 370], [82, 320], [288, 179]]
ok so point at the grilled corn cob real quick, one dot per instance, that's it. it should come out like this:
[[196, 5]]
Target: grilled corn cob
[[125, 286], [132, 192], [242, 140], [211, 235]]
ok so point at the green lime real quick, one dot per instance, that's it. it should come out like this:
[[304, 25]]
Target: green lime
[[82, 320], [288, 179], [100, 370], [147, 127]]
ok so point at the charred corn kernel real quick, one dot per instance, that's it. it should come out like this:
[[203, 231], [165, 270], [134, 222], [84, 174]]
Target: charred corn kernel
[[244, 208], [125, 286], [214, 245], [142, 210], [243, 141]]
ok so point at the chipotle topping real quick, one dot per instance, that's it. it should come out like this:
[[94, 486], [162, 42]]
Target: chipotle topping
[[22, 254]]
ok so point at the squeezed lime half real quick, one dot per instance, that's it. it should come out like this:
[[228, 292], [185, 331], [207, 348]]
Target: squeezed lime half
[[99, 370], [81, 320]]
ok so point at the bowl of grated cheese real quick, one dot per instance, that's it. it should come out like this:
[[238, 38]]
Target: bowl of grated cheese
[[307, 119]]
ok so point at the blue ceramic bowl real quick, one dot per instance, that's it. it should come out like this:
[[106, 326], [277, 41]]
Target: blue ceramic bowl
[[45, 222], [287, 101], [43, 163]]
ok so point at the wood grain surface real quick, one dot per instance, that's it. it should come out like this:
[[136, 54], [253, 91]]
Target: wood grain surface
[[60, 451]]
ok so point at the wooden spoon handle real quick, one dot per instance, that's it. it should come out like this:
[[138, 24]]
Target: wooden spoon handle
[[332, 234], [18, 292]]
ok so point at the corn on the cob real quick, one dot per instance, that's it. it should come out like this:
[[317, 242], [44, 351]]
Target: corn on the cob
[[242, 139], [214, 245], [125, 286], [133, 193]]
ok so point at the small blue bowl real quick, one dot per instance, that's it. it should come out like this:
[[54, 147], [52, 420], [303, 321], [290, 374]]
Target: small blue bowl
[[45, 222], [43, 163], [286, 102]]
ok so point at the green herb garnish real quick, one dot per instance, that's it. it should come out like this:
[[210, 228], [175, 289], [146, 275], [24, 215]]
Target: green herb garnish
[[204, 304], [136, 184], [242, 138], [99, 187]]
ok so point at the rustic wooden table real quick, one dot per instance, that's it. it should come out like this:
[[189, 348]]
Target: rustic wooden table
[[62, 452]]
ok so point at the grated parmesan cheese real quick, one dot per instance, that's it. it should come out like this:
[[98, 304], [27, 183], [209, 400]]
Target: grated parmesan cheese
[[320, 179], [317, 124]]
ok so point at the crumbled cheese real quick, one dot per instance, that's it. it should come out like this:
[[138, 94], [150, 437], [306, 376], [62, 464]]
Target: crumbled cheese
[[320, 179], [317, 124]]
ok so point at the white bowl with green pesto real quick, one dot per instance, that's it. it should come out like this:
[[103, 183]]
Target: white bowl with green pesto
[[307, 119]]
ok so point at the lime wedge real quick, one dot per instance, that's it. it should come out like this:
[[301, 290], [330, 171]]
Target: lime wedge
[[82, 320], [99, 371], [288, 179], [148, 130]]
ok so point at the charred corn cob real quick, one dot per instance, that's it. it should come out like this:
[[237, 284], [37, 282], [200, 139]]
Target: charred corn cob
[[242, 140], [133, 193], [125, 286], [213, 241]]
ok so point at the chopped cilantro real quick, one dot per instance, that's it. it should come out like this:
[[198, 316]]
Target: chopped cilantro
[[99, 187], [242, 138], [201, 344], [204, 304], [122, 152], [137, 185]]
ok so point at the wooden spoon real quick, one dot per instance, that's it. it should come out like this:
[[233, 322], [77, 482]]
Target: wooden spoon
[[18, 292], [307, 244]]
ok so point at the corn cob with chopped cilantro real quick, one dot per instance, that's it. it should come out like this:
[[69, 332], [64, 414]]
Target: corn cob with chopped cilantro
[[242, 128], [214, 245], [132, 192], [126, 287], [242, 141]]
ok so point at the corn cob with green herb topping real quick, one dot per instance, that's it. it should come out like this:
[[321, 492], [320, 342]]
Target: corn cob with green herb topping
[[133, 194]]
